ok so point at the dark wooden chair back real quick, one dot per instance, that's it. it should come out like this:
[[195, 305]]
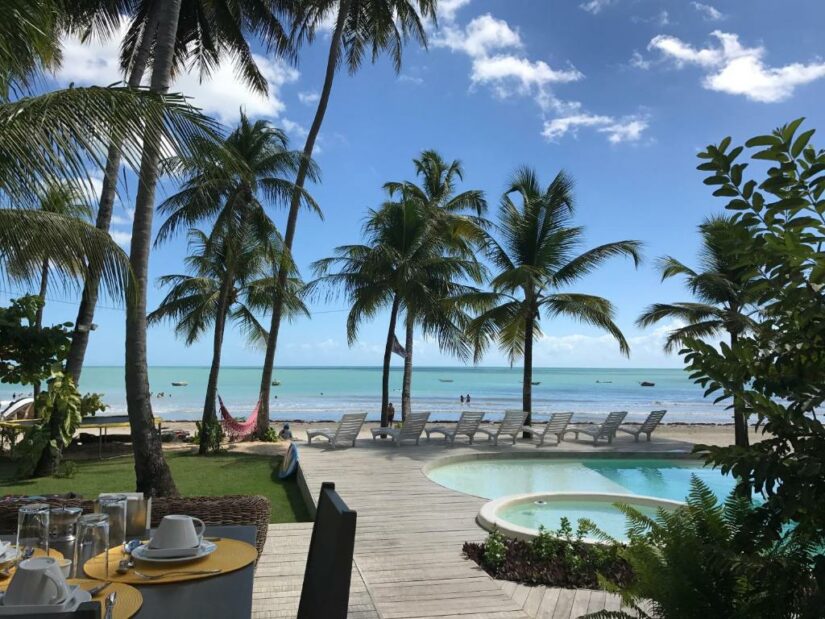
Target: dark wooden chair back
[[329, 562]]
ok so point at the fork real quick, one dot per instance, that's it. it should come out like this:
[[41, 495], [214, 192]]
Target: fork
[[178, 572]]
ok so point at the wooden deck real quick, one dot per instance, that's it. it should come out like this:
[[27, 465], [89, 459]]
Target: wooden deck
[[408, 558]]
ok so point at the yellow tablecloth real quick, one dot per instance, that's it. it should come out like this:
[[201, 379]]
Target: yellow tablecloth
[[229, 556], [128, 601]]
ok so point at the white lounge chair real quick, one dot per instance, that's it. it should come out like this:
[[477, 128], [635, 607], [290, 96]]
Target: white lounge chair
[[647, 427], [467, 426], [345, 432], [555, 427], [410, 430], [606, 429], [510, 426]]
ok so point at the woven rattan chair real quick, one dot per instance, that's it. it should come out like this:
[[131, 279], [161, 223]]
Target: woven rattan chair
[[213, 510]]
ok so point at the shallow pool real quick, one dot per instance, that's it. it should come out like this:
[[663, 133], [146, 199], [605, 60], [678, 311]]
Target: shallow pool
[[494, 478], [548, 515]]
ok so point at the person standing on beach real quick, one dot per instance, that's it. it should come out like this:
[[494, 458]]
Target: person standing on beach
[[390, 413]]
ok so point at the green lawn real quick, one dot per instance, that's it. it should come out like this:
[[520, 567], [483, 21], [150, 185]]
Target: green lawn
[[194, 475]]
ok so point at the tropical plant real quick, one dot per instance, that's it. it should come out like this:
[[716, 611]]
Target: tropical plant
[[456, 218], [208, 33], [360, 26], [229, 187], [725, 292], [536, 258], [707, 560], [402, 265], [777, 369]]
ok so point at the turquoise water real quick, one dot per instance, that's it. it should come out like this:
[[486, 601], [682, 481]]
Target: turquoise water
[[604, 515], [315, 393], [664, 479]]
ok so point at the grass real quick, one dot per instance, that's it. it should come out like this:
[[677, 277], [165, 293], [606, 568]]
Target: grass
[[231, 473]]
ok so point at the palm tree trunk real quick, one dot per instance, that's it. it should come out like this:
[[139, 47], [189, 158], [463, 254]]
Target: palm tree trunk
[[385, 375], [408, 361], [86, 311], [151, 471], [38, 318], [527, 384], [292, 218], [740, 423], [210, 416]]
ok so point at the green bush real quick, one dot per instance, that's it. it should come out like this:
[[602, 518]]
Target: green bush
[[706, 560], [214, 436], [495, 549]]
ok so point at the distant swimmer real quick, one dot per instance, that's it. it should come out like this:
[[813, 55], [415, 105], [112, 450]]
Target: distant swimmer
[[462, 398], [468, 398]]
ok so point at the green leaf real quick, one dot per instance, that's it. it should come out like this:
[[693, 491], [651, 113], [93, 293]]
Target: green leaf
[[801, 142], [768, 155], [790, 129], [726, 192], [747, 190], [716, 180], [763, 140], [723, 145]]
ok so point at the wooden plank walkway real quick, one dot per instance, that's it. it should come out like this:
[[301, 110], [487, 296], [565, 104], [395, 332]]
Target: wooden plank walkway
[[410, 531]]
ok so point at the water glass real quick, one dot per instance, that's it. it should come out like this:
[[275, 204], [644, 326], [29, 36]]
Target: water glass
[[114, 506], [33, 526], [92, 540]]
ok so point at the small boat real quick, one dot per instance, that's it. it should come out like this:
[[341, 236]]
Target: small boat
[[276, 383], [536, 382], [179, 383], [645, 383], [445, 380], [604, 382]]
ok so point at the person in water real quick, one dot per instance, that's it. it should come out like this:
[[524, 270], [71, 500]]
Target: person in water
[[390, 413], [462, 398], [468, 398]]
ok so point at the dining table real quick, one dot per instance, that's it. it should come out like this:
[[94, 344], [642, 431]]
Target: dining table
[[223, 595]]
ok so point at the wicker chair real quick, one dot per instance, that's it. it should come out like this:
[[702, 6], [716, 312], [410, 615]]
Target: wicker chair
[[213, 510]]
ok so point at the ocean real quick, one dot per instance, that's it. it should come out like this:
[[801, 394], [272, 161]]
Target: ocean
[[324, 393]]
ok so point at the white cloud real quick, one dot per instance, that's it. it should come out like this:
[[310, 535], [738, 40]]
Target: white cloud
[[121, 237], [708, 12], [734, 69], [617, 130], [410, 79], [662, 18], [447, 9], [595, 6], [308, 98], [222, 95], [293, 128], [640, 62], [498, 60]]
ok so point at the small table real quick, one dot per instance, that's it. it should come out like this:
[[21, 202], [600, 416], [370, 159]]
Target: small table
[[221, 596]]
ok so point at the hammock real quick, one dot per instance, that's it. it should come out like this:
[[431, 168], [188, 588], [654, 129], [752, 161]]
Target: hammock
[[238, 429]]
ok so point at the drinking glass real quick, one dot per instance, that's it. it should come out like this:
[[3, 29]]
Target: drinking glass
[[114, 506], [92, 540], [33, 526]]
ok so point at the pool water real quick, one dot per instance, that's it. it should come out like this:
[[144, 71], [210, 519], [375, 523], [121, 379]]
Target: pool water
[[494, 478], [549, 515]]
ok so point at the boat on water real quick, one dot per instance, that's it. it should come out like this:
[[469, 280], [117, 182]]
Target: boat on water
[[445, 380], [536, 382], [179, 383], [646, 383], [276, 383], [604, 382]]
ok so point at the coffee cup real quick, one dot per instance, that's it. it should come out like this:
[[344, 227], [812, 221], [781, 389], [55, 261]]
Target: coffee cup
[[65, 567], [178, 531], [37, 582]]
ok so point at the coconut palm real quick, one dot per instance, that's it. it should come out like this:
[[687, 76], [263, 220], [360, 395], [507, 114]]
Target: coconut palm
[[232, 279], [455, 218], [361, 27], [229, 187], [534, 249], [723, 287], [208, 34], [402, 266]]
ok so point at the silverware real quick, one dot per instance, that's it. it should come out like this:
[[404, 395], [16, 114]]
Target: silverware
[[177, 572], [98, 588], [109, 604]]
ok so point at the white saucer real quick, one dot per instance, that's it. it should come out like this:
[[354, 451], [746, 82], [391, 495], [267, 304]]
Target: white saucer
[[9, 555], [76, 598], [158, 555]]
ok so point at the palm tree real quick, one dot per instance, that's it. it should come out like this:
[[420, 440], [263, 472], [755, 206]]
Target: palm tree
[[449, 219], [360, 25], [232, 279], [723, 286], [207, 33], [229, 187], [403, 265], [536, 258]]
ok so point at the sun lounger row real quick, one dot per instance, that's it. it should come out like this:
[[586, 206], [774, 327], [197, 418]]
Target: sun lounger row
[[469, 424]]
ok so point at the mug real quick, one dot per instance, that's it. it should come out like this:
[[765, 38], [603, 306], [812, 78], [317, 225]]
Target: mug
[[177, 531], [37, 582]]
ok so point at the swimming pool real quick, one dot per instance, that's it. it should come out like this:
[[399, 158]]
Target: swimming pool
[[493, 478]]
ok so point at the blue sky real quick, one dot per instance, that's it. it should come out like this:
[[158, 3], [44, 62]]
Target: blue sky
[[619, 93]]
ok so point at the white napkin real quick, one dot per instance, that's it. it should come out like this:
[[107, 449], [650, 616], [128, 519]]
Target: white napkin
[[4, 546]]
